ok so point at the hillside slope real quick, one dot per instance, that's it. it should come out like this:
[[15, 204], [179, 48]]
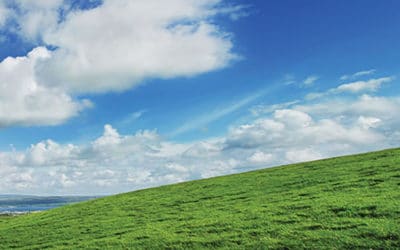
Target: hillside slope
[[346, 202]]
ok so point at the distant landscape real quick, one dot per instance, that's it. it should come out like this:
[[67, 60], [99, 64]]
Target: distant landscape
[[17, 204], [350, 202]]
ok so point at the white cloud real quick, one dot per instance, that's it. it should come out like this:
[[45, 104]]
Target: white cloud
[[111, 47], [364, 105], [23, 101], [261, 157], [369, 122], [310, 80], [35, 18], [296, 129], [370, 85], [358, 74], [362, 86], [293, 118], [117, 163], [235, 12], [121, 43], [302, 155]]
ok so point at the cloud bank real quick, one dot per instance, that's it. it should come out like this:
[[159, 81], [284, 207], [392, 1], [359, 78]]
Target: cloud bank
[[116, 163]]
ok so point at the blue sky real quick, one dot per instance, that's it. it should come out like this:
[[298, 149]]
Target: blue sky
[[189, 84]]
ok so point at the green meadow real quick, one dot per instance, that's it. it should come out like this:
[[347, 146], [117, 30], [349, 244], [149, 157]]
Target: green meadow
[[350, 202]]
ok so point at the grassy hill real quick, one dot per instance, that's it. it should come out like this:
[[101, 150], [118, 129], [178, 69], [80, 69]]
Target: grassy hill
[[345, 202]]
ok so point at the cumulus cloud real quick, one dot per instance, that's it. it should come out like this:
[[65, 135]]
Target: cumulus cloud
[[24, 101], [261, 157], [375, 106], [113, 46], [297, 129], [369, 122], [301, 155], [111, 162], [121, 43], [35, 18], [116, 163]]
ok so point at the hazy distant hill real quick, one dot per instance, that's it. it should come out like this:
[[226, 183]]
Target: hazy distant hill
[[348, 202], [30, 203]]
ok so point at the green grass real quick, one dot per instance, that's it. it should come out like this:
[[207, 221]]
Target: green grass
[[345, 202]]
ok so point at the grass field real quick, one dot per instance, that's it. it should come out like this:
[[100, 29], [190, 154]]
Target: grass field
[[339, 203]]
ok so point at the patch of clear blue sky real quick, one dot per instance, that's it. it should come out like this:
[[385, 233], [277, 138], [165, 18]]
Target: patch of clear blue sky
[[310, 37]]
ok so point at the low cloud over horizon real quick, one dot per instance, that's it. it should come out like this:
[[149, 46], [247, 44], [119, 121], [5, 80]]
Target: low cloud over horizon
[[112, 163]]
